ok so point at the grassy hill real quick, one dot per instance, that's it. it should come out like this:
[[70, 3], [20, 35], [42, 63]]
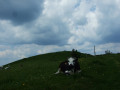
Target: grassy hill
[[101, 72]]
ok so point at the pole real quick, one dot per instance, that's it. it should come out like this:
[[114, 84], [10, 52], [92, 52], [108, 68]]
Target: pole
[[94, 51]]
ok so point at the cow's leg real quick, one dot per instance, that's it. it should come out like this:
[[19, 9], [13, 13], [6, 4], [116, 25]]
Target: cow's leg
[[79, 71], [77, 67], [58, 71], [67, 72]]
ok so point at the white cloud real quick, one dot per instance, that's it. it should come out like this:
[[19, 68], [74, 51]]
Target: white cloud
[[70, 22]]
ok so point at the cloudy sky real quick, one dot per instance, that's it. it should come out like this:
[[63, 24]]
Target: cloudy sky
[[32, 27]]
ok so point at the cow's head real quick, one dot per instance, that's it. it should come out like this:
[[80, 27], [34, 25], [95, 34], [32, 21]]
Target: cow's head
[[71, 61]]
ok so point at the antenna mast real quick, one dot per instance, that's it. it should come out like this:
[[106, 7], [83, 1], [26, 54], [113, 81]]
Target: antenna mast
[[94, 51]]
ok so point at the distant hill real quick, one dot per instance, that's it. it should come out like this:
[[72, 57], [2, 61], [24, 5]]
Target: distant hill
[[99, 72]]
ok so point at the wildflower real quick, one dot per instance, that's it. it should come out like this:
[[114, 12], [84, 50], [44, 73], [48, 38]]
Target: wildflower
[[23, 84]]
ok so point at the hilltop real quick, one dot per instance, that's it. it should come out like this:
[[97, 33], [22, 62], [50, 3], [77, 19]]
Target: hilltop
[[36, 73]]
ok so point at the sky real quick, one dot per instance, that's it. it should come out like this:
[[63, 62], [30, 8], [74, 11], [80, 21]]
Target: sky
[[33, 27]]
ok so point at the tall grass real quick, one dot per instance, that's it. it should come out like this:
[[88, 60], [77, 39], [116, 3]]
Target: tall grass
[[37, 73]]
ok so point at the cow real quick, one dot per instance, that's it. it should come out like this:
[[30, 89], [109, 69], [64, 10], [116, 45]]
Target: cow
[[70, 66], [1, 67]]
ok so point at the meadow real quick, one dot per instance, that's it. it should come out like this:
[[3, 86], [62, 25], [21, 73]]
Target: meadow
[[100, 72]]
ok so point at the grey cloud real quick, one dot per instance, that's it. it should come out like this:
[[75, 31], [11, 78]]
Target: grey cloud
[[54, 33], [112, 38], [19, 11], [109, 24], [44, 30], [81, 21]]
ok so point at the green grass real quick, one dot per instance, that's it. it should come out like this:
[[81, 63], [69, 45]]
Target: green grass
[[36, 73]]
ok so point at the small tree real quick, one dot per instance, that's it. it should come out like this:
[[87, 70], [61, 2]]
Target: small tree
[[108, 52], [75, 53]]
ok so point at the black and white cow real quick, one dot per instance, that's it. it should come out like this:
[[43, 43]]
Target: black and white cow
[[69, 66]]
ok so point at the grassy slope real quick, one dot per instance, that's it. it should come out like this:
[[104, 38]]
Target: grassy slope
[[36, 73]]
